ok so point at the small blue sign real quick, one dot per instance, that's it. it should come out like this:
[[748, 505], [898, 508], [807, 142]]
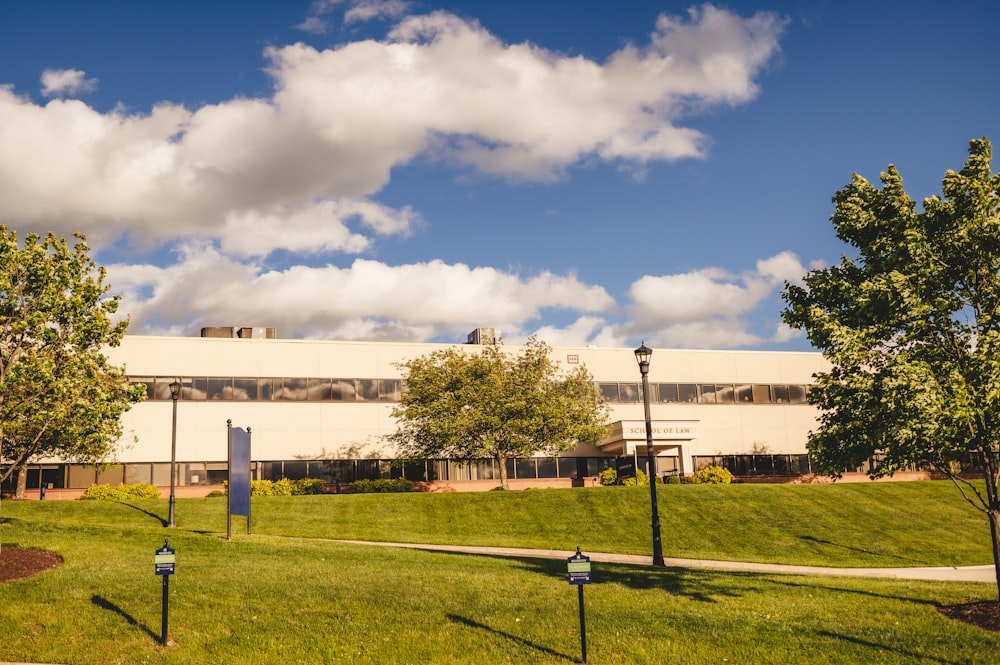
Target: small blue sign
[[165, 560], [578, 568]]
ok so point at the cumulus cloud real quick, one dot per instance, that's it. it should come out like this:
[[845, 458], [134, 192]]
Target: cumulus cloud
[[60, 82], [368, 299], [299, 171], [706, 308]]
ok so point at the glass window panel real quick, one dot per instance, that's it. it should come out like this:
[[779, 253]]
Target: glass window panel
[[161, 474], [344, 390], [797, 394], [667, 392], [111, 475], [194, 388], [744, 393], [724, 393], [367, 389], [319, 390], [220, 388], [780, 394], [295, 390], [162, 388], [761, 393], [547, 467], [706, 393], [609, 391], [270, 389], [389, 390], [244, 389], [137, 473], [81, 476], [628, 392], [687, 392], [526, 468], [146, 381]]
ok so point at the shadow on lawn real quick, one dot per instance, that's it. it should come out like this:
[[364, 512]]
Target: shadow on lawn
[[883, 648], [704, 586], [821, 541], [161, 520], [858, 592], [465, 621], [106, 604]]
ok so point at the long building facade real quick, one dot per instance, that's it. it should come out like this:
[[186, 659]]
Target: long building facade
[[323, 408]]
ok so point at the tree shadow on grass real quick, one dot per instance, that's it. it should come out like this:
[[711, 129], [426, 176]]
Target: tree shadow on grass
[[858, 592], [106, 604], [861, 550], [161, 520], [704, 586], [883, 648], [471, 623]]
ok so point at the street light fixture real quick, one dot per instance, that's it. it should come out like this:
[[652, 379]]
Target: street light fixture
[[175, 392], [642, 356]]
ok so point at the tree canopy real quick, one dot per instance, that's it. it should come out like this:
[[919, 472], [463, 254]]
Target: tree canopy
[[911, 325], [59, 396], [483, 402]]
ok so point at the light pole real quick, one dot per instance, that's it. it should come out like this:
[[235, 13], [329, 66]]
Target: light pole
[[175, 392], [642, 355]]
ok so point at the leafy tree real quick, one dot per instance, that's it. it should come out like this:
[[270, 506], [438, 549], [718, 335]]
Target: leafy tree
[[911, 327], [59, 396], [466, 404]]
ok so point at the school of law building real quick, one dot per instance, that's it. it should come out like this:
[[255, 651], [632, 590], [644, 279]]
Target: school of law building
[[322, 409]]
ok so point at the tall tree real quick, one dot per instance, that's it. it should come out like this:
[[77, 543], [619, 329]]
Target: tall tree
[[58, 394], [472, 404], [911, 327]]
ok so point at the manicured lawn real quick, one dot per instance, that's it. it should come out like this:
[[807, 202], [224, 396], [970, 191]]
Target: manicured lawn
[[282, 595]]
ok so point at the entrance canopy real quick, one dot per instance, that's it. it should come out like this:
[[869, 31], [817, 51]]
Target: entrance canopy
[[628, 438]]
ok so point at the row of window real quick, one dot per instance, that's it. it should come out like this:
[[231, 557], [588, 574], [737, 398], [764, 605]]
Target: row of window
[[707, 393], [80, 476], [250, 389]]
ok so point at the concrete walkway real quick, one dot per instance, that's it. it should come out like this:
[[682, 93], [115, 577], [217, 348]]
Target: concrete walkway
[[985, 574]]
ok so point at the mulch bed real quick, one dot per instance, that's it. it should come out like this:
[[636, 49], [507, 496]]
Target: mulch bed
[[17, 562], [984, 614]]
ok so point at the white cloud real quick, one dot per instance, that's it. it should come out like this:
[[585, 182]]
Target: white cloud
[[707, 308], [60, 82], [368, 299], [366, 10]]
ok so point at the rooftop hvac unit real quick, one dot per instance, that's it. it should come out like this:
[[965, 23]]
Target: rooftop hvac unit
[[483, 336]]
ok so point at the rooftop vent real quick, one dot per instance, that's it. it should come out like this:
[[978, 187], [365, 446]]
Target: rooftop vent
[[483, 336], [241, 332]]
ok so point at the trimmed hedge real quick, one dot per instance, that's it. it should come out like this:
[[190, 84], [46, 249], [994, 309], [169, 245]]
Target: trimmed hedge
[[382, 485], [121, 492]]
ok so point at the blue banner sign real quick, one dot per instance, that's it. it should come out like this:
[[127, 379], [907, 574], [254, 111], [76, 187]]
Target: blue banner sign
[[239, 472]]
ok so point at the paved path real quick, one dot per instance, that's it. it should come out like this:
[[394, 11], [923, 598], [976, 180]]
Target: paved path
[[984, 574]]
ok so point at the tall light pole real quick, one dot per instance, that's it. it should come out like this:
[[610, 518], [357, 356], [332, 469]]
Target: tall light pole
[[175, 392], [642, 355]]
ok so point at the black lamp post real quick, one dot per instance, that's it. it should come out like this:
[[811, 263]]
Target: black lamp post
[[175, 392], [642, 355]]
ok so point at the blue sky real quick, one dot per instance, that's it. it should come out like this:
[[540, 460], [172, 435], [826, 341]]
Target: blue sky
[[594, 173]]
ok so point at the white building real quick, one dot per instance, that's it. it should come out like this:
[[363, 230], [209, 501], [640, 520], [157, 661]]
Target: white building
[[322, 408]]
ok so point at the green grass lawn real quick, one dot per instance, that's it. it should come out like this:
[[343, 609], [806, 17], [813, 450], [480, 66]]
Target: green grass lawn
[[284, 595]]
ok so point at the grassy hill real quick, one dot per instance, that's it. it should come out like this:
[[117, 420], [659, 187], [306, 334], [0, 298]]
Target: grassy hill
[[284, 595]]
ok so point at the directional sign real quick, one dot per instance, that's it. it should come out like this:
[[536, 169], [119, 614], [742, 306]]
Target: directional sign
[[164, 560], [578, 567]]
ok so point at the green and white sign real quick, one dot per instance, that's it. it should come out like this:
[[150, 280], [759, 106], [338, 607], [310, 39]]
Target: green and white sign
[[164, 560]]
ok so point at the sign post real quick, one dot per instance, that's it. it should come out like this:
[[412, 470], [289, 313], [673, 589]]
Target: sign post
[[578, 569], [163, 565], [239, 476]]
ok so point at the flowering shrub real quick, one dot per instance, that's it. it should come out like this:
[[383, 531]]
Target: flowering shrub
[[121, 492]]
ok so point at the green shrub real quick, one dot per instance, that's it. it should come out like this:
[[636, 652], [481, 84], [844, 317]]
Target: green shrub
[[608, 477], [382, 485], [121, 492], [308, 486], [640, 480], [713, 475], [675, 480]]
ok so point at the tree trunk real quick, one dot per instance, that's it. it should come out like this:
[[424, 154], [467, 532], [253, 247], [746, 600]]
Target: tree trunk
[[22, 480], [994, 515], [502, 461]]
